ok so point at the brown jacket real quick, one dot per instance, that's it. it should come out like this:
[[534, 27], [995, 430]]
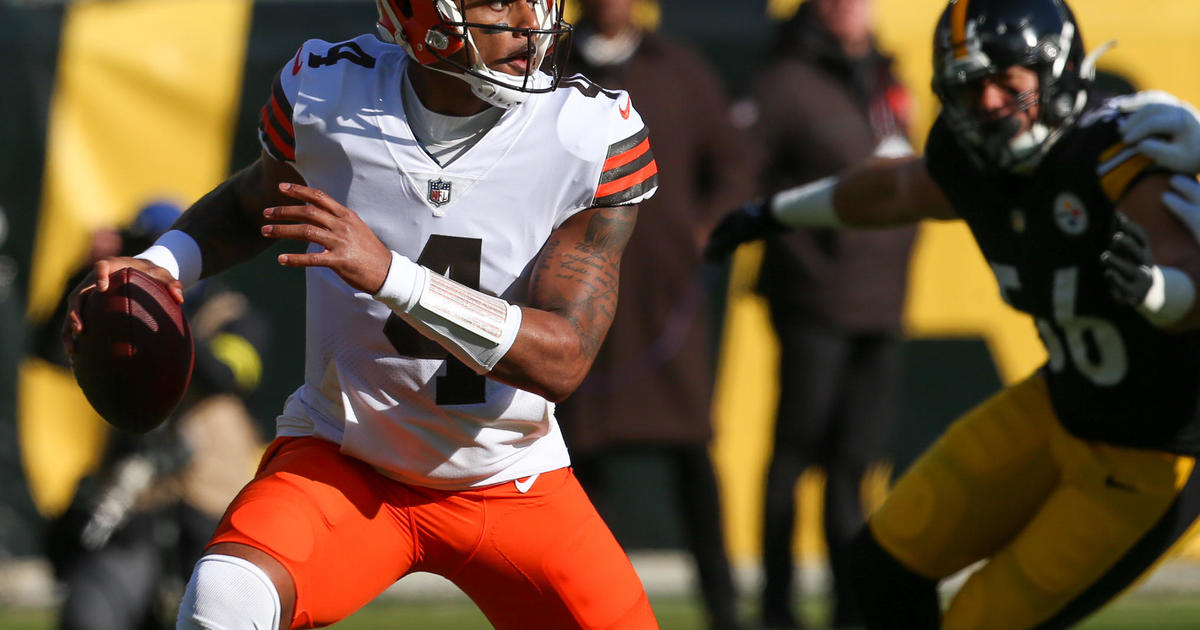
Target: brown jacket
[[819, 112], [652, 381]]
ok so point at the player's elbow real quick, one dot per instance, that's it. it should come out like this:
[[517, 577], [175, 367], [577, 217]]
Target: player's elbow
[[560, 381]]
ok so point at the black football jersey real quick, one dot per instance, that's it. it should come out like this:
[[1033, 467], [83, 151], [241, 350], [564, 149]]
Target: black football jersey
[[1112, 376]]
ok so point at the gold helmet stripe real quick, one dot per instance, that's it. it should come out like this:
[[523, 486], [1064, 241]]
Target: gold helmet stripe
[[958, 28]]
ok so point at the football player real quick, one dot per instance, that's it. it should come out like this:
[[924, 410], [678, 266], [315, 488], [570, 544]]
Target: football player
[[1072, 483], [466, 213]]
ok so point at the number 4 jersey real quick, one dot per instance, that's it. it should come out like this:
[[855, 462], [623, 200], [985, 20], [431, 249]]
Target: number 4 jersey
[[373, 384], [1112, 376]]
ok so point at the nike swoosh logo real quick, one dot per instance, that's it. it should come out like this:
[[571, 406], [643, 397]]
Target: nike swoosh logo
[[1111, 482], [523, 485], [624, 109]]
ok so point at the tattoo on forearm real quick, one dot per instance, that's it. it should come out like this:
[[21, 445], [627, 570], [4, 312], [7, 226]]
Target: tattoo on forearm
[[580, 281], [220, 224]]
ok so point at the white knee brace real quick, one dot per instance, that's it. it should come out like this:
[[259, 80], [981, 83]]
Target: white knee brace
[[228, 593]]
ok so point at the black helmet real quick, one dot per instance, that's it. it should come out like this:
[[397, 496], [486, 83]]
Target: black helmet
[[976, 39]]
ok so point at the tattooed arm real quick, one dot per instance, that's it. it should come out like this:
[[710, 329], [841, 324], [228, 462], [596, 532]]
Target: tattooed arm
[[226, 221], [572, 300]]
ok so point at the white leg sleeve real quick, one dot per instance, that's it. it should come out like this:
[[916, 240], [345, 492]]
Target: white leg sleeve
[[228, 593]]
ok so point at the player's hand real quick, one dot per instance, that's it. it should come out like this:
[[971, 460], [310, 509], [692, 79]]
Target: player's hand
[[1166, 130], [750, 222], [1183, 200], [1128, 262], [97, 280], [351, 249]]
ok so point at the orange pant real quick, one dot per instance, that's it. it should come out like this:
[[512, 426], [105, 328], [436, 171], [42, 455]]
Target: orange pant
[[542, 559]]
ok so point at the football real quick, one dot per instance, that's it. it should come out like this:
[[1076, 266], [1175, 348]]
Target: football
[[134, 358]]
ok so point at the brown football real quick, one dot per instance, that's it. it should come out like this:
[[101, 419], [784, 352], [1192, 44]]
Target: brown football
[[134, 358]]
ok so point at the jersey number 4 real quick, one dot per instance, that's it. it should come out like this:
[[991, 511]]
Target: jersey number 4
[[459, 259], [1093, 345]]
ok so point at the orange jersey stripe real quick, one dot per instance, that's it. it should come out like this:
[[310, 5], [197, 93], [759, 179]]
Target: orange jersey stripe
[[273, 136], [628, 156], [283, 119], [629, 181]]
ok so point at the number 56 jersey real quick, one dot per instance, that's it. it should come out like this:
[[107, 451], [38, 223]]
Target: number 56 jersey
[[386, 394], [1111, 375]]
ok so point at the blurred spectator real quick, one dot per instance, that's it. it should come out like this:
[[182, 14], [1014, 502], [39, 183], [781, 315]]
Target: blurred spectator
[[138, 523], [19, 519], [650, 389], [827, 99]]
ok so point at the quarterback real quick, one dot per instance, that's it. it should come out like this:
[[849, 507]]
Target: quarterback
[[465, 211], [1074, 482]]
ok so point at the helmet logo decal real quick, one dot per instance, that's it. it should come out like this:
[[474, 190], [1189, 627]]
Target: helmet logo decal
[[439, 192], [1070, 214]]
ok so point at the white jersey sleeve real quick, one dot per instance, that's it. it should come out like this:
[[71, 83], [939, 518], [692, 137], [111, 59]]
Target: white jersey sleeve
[[276, 131], [628, 173]]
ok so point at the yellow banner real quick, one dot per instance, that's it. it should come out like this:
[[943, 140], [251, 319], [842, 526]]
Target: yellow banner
[[143, 108]]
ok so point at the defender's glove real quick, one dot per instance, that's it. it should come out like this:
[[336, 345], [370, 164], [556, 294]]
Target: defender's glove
[[1128, 262], [1163, 295], [1165, 129], [752, 221]]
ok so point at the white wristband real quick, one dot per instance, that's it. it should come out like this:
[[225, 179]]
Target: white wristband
[[810, 205], [1170, 297], [402, 288], [178, 253], [475, 327]]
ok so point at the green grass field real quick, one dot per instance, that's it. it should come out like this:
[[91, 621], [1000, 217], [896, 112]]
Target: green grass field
[[1146, 612]]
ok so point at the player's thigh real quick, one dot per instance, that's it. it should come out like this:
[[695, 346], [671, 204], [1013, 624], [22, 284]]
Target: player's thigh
[[971, 491], [548, 561], [1115, 514], [330, 520]]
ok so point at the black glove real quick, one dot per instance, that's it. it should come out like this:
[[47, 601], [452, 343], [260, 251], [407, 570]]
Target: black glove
[[750, 222], [1128, 262]]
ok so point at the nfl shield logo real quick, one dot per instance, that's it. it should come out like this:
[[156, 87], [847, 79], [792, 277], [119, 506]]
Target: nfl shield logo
[[439, 192]]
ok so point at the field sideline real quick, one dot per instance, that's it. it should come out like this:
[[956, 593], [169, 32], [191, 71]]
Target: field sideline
[[1169, 600]]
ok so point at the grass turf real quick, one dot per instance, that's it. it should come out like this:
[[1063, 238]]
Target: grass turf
[[1159, 612]]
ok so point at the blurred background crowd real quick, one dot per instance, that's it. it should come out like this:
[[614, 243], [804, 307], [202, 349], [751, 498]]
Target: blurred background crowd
[[747, 415]]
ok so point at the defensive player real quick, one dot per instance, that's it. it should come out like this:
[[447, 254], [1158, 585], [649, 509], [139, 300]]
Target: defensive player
[[466, 214], [1073, 482]]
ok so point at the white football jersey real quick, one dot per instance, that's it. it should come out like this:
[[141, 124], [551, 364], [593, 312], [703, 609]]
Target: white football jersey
[[373, 384]]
